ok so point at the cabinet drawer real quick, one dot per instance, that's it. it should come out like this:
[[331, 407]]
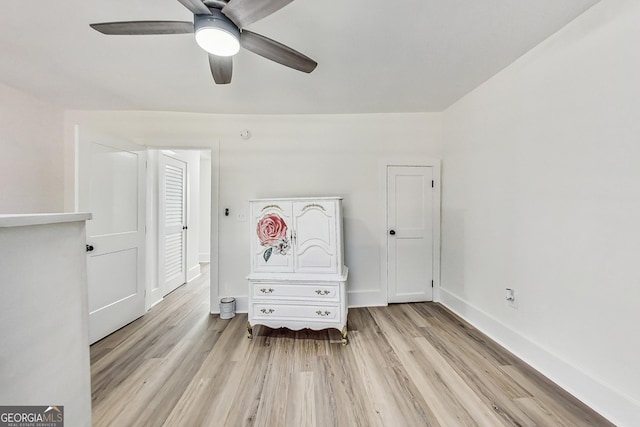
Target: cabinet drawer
[[306, 291], [311, 313]]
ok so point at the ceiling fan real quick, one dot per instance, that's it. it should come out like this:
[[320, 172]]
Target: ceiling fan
[[219, 29]]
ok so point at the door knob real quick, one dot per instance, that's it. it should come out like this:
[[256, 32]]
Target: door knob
[[184, 228], [392, 232], [89, 248]]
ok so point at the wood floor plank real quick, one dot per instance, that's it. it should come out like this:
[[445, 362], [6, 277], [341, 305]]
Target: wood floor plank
[[325, 398], [406, 365], [177, 376], [300, 403], [345, 408], [271, 409], [205, 395], [566, 410], [352, 404], [481, 372], [539, 414], [444, 404], [248, 395], [105, 411], [483, 414], [394, 394]]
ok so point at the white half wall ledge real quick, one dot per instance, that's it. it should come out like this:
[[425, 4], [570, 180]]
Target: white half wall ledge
[[44, 314], [604, 399], [22, 220]]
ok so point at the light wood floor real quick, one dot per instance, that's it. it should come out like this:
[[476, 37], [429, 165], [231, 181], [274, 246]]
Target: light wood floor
[[405, 365]]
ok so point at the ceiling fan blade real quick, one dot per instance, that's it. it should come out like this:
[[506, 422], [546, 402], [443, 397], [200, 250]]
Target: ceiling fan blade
[[277, 52], [221, 68], [144, 27], [246, 12], [196, 7], [216, 4]]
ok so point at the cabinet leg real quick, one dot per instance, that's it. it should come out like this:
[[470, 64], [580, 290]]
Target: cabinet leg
[[250, 331], [344, 335]]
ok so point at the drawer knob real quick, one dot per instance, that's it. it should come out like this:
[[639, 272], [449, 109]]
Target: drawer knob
[[266, 291], [323, 313], [322, 292], [267, 311]]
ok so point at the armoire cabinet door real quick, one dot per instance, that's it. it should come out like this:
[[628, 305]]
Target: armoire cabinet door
[[315, 236], [271, 242]]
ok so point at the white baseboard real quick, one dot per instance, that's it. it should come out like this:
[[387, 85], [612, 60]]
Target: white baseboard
[[366, 299], [153, 297], [610, 403], [193, 273], [204, 257]]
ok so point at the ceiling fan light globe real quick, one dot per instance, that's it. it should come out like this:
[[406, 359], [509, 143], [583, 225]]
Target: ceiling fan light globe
[[216, 34], [217, 42]]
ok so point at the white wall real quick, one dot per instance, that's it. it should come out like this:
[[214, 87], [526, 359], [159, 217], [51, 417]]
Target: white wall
[[288, 156], [541, 193], [31, 164], [320, 157]]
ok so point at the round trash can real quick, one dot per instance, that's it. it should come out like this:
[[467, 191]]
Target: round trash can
[[227, 307]]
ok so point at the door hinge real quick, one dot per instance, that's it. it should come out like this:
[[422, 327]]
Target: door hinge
[[432, 283], [432, 183]]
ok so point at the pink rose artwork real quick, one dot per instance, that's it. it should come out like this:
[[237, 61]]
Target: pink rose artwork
[[272, 233], [270, 229]]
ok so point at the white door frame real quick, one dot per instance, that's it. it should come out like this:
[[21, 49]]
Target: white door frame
[[214, 268], [382, 204], [214, 147]]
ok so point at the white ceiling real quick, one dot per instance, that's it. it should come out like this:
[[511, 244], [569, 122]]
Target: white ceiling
[[373, 55]]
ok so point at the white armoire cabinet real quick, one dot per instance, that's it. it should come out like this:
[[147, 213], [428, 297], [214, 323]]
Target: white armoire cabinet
[[298, 278]]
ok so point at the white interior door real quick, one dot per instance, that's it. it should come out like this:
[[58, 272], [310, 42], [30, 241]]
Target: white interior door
[[410, 233], [111, 185], [173, 223]]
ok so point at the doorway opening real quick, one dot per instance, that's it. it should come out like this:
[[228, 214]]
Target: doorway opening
[[181, 217]]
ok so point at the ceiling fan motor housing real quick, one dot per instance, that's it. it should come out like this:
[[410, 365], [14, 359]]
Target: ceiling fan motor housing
[[215, 20]]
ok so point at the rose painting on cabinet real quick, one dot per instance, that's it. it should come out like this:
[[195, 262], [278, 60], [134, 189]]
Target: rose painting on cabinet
[[272, 233]]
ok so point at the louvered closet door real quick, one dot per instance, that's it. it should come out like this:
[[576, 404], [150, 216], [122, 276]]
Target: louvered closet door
[[173, 217]]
